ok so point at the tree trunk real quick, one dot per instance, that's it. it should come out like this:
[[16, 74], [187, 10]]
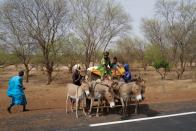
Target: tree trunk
[[161, 74], [27, 76], [180, 73], [27, 70], [94, 59], [49, 77], [87, 60], [182, 62], [144, 66], [70, 68], [49, 68], [191, 64], [87, 63]]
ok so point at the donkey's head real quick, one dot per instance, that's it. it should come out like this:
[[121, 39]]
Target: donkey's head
[[141, 82], [109, 95], [136, 91], [85, 85]]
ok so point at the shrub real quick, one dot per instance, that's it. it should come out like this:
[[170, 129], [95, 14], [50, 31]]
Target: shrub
[[162, 64], [155, 58]]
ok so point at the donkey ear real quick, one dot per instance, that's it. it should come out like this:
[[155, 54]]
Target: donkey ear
[[139, 77], [110, 89], [83, 79], [114, 83], [86, 77]]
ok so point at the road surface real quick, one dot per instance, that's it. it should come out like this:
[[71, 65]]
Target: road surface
[[154, 117]]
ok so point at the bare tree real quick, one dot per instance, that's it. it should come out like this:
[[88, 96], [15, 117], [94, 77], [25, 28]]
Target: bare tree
[[178, 20], [125, 50], [180, 23], [44, 21], [131, 50], [139, 50], [15, 36], [3, 55], [191, 52], [72, 51], [97, 23], [154, 32]]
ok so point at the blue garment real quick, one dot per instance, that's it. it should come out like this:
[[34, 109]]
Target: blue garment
[[127, 75], [15, 91], [19, 100]]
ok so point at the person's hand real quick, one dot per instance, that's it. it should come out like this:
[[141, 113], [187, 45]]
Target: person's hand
[[108, 68]]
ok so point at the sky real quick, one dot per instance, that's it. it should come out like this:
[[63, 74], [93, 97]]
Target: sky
[[138, 9]]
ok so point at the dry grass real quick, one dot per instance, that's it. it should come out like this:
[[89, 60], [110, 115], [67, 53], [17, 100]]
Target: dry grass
[[194, 75], [42, 97], [47, 102]]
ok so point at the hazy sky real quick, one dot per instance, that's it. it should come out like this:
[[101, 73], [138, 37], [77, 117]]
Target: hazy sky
[[138, 9]]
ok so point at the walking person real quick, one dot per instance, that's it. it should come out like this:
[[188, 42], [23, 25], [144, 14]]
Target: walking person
[[16, 92]]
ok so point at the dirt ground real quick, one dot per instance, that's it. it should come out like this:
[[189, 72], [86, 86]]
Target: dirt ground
[[49, 99]]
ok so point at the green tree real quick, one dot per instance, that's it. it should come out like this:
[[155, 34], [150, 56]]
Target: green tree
[[154, 56]]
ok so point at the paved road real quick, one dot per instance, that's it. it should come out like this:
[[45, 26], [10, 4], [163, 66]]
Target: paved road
[[56, 120], [177, 123]]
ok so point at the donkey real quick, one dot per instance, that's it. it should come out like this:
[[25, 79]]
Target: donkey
[[99, 91], [141, 83], [77, 93], [126, 91]]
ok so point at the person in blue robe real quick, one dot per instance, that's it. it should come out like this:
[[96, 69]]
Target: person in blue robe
[[16, 91], [127, 74]]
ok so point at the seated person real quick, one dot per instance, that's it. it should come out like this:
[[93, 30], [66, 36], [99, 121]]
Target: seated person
[[127, 75], [115, 65], [105, 67]]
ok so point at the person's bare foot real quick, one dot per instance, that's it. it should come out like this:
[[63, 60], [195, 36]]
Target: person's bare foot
[[25, 110], [9, 110]]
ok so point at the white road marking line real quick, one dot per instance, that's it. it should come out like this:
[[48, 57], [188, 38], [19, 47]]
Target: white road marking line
[[141, 119]]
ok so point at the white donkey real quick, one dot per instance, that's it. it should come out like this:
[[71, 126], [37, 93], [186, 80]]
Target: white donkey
[[77, 93]]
